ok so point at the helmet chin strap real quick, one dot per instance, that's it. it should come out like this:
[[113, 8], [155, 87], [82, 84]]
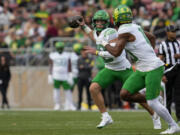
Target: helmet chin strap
[[101, 29]]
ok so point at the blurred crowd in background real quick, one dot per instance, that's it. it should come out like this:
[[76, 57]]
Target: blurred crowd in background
[[29, 24]]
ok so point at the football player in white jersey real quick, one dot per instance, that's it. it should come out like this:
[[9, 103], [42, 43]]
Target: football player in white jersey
[[60, 75], [74, 55], [138, 44], [116, 68]]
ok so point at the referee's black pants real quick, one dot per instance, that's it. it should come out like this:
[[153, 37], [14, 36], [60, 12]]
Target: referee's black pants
[[173, 89], [81, 83], [3, 89]]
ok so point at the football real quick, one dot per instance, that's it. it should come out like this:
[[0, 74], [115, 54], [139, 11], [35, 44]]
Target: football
[[72, 21]]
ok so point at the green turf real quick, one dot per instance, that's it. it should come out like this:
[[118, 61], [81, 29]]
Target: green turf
[[74, 123]]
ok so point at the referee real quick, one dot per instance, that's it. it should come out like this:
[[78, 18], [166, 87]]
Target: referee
[[169, 52]]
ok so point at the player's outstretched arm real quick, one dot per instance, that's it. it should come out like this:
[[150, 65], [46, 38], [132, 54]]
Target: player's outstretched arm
[[86, 29], [76, 21], [120, 44], [104, 54], [151, 38]]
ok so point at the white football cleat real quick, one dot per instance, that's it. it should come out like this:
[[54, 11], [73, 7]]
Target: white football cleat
[[105, 121], [57, 107], [171, 130], [69, 107], [165, 132], [72, 107], [66, 108], [156, 121]]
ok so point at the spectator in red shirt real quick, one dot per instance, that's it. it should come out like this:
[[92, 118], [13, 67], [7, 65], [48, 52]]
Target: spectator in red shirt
[[52, 29]]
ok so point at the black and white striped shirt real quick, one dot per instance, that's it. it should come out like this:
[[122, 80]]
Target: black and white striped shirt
[[168, 49]]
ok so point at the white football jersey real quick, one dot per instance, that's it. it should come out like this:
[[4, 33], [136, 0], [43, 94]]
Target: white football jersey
[[113, 63], [60, 65], [140, 49], [74, 61]]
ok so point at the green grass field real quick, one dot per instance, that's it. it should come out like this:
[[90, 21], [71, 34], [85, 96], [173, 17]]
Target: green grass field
[[74, 123]]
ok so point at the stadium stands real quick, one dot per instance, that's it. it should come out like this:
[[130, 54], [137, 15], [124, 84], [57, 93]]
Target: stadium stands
[[31, 25]]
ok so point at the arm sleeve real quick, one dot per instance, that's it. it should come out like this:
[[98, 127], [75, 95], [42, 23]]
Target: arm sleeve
[[105, 54]]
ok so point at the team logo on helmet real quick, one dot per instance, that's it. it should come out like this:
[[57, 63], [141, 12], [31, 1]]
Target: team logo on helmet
[[77, 47], [59, 46], [122, 14]]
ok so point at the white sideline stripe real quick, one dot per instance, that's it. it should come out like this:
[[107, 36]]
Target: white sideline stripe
[[47, 109], [125, 133]]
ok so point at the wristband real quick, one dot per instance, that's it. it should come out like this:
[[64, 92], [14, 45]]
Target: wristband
[[97, 53], [86, 29]]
